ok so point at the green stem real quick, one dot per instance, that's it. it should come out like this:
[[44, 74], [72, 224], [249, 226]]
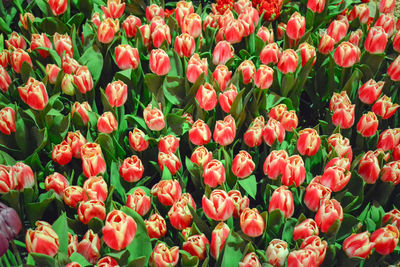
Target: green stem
[[16, 252]]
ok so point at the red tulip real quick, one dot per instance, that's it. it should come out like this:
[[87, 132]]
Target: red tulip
[[294, 171], [391, 172], [18, 57], [282, 199], [180, 216], [126, 57], [289, 120], [73, 195], [385, 239], [270, 54], [146, 33], [253, 136], [96, 188], [40, 40], [219, 206], [196, 67], [368, 124], [341, 146], [273, 131], [119, 230], [169, 160], [154, 118], [107, 29], [43, 239], [89, 247], [58, 7], [116, 93], [393, 216], [243, 165], [218, 238], [201, 156], [316, 6], [302, 257], [130, 25], [24, 19], [388, 139], [227, 98], [83, 110], [308, 142], [370, 91], [8, 181], [167, 191], [251, 222], [137, 140], [376, 40], [358, 245], [15, 41], [156, 226], [296, 26], [107, 123], [69, 65], [139, 202], [184, 45], [24, 176], [83, 79], [315, 192], [277, 252], [72, 244], [63, 43], [249, 19], [62, 153], [225, 131], [234, 31], [159, 62], [288, 61], [360, 11], [328, 213], [131, 169], [183, 9], [335, 178], [52, 71], [214, 173], [168, 143], [154, 10], [317, 245], [368, 167], [346, 55], [92, 159], [5, 58], [265, 34], [393, 70], [250, 260], [57, 182], [164, 256], [91, 209], [34, 94], [221, 76], [275, 163], [396, 42], [306, 228], [338, 30], [326, 44], [355, 37], [387, 22], [264, 77], [5, 79], [222, 53], [7, 120], [160, 34], [386, 6], [192, 25], [114, 9], [384, 107], [107, 261]]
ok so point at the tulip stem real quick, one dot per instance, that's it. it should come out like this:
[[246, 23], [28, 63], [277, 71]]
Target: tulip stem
[[16, 252]]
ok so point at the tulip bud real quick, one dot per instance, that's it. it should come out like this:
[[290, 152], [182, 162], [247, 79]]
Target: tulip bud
[[317, 245], [289, 120], [270, 54], [114, 9], [346, 55], [18, 57], [5, 58], [265, 34], [306, 228], [264, 77], [315, 192], [117, 93], [180, 216], [277, 252], [307, 52], [184, 45], [341, 145], [223, 52], [296, 26], [360, 11], [57, 182], [63, 43], [82, 109], [316, 6], [52, 71], [368, 124], [168, 143], [83, 79], [355, 37], [156, 226], [139, 202], [376, 40], [370, 91], [234, 31], [5, 79], [7, 120], [169, 160], [73, 195], [132, 169], [167, 191], [89, 246], [385, 239], [294, 171], [201, 156], [221, 76], [92, 159], [24, 19], [214, 173], [391, 172], [384, 107], [253, 136], [196, 246], [328, 213], [275, 163], [192, 25], [164, 256], [96, 188], [288, 61], [251, 222], [15, 41], [107, 123], [34, 94], [309, 142], [282, 199], [242, 164], [69, 65], [250, 260], [137, 140], [130, 25], [159, 62], [218, 238], [154, 118], [196, 67], [387, 22], [225, 131], [386, 6], [119, 230], [393, 216], [62, 153], [227, 98], [126, 57], [43, 239], [58, 7], [200, 133], [145, 31], [273, 131], [107, 30], [219, 206], [393, 71], [337, 30], [368, 167], [40, 40], [358, 245], [91, 209], [8, 181]]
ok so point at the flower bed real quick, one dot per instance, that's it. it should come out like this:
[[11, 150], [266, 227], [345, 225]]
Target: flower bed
[[196, 134]]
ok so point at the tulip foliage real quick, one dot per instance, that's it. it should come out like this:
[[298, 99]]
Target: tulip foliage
[[247, 132]]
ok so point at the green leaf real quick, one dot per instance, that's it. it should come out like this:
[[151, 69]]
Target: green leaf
[[60, 226], [249, 184], [51, 25], [43, 260], [79, 259], [4, 26], [233, 250], [166, 174], [35, 211], [94, 61], [187, 260], [115, 180]]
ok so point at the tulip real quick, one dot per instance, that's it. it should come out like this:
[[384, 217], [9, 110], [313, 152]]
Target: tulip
[[386, 6], [116, 93], [277, 252], [221, 76], [223, 52], [326, 44], [218, 238], [273, 131], [387, 22], [211, 21], [43, 239], [91, 209], [270, 54], [316, 6], [34, 94], [360, 11], [126, 57], [253, 136], [396, 42], [119, 230], [164, 256], [183, 9], [315, 192], [201, 156], [282, 199], [214, 173], [337, 30], [368, 167], [339, 100], [339, 162], [24, 176], [130, 25], [83, 110], [317, 245], [114, 9], [72, 244], [15, 41], [195, 245], [8, 181], [167, 191], [308, 142], [18, 57], [63, 43], [240, 203], [7, 120], [180, 216], [227, 98], [294, 171], [139, 201], [132, 169], [40, 40], [5, 79], [92, 159], [296, 26], [69, 65], [328, 213], [192, 25], [156, 226], [241, 6], [288, 61], [159, 62], [341, 146], [393, 216], [234, 31], [58, 7], [391, 172], [275, 163], [251, 222], [73, 195], [96, 188], [307, 52], [83, 79], [169, 160], [376, 40], [368, 124], [145, 31], [160, 34], [335, 178], [200, 133], [168, 143], [355, 37], [384, 107], [346, 55], [249, 19], [370, 91], [107, 123], [344, 117], [107, 30], [385, 239], [24, 19], [388, 139], [89, 247], [250, 260], [219, 206], [265, 34], [264, 77], [302, 257], [156, 21], [153, 10], [154, 118], [184, 45], [306, 228], [358, 245], [137, 140], [52, 71], [289, 120], [5, 58], [62, 153], [277, 111], [393, 71], [225, 131], [196, 67], [242, 164], [107, 262], [56, 182]]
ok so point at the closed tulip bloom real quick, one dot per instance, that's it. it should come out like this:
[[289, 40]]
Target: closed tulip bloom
[[218, 238], [288, 61], [7, 120], [34, 94], [154, 10], [195, 245], [62, 153], [346, 55], [341, 146], [386, 6], [393, 70], [114, 9], [164, 256], [5, 58], [249, 19], [393, 216], [117, 93], [5, 79], [277, 111], [223, 52], [195, 67], [282, 199], [180, 216], [199, 133], [337, 30], [358, 245], [83, 79], [154, 118], [302, 257], [63, 43], [385, 239], [139, 202], [316, 6], [52, 71], [307, 52], [40, 40], [376, 40], [83, 110], [211, 20], [306, 228], [8, 181], [107, 123], [253, 136], [156, 21], [264, 77], [243, 164], [159, 62], [396, 42], [201, 156], [289, 120], [167, 191], [339, 100], [360, 11], [335, 178], [23, 18], [57, 182], [119, 230], [326, 44], [391, 172], [156, 226], [294, 171], [384, 107], [340, 162], [315, 192], [183, 9], [265, 34], [250, 260], [387, 140], [234, 31], [315, 243], [296, 26], [308, 142], [126, 57], [192, 25], [368, 167], [273, 131], [69, 65], [91, 209], [270, 54], [58, 7], [96, 188], [227, 98], [43, 239], [130, 25], [89, 247], [240, 203], [92, 159], [146, 33], [251, 222], [24, 176], [368, 124], [132, 169], [169, 160], [73, 195], [328, 213], [275, 163], [214, 173], [387, 22], [221, 76], [107, 29], [137, 140], [18, 57], [355, 37], [15, 41], [225, 131], [72, 244], [370, 91], [168, 143], [344, 117], [277, 252], [161, 34], [219, 206], [107, 261], [184, 45]]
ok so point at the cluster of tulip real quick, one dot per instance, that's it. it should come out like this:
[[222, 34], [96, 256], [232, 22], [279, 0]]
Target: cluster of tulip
[[185, 86]]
